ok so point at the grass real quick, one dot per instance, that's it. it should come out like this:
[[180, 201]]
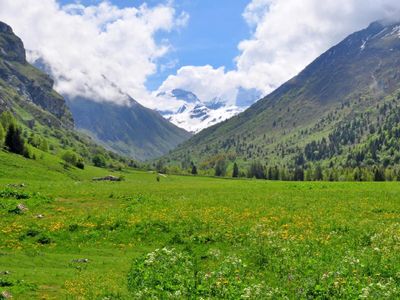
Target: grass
[[227, 238]]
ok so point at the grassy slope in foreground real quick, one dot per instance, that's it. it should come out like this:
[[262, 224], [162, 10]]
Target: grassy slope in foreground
[[300, 240]]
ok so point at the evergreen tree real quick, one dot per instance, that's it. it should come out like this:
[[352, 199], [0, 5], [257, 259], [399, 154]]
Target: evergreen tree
[[14, 141], [318, 175], [160, 167], [379, 174], [220, 168], [256, 170], [194, 169], [235, 173], [298, 174]]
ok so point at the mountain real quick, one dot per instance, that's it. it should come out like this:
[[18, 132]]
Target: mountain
[[336, 107], [129, 129], [180, 94], [195, 115], [42, 114], [26, 82]]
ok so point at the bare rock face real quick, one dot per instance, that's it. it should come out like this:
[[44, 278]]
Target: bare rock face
[[31, 84], [11, 46]]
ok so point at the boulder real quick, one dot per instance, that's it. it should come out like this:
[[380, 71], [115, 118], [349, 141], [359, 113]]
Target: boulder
[[81, 260], [108, 178]]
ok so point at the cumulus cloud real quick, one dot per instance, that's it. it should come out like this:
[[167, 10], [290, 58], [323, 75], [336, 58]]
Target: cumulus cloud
[[286, 36], [99, 51]]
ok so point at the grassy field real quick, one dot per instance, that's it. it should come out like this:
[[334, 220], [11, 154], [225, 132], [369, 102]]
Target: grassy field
[[217, 238]]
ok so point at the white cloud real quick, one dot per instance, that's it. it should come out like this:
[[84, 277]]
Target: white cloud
[[287, 35], [91, 48], [205, 82]]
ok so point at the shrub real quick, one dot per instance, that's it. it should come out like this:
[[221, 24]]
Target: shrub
[[8, 193], [169, 274], [99, 161], [164, 273], [73, 159]]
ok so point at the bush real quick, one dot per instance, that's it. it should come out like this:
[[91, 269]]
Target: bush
[[169, 274], [99, 161], [8, 193], [73, 159], [162, 274]]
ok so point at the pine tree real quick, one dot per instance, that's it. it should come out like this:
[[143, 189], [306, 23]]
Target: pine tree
[[235, 173], [379, 175], [220, 168], [318, 176], [14, 141], [194, 169]]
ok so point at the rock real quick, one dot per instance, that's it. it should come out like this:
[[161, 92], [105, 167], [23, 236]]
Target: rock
[[20, 209], [108, 178], [19, 185], [81, 260], [5, 295], [5, 273]]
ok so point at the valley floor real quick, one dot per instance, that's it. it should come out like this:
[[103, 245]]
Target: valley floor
[[244, 239]]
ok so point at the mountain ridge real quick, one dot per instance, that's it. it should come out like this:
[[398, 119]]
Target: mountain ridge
[[361, 70]]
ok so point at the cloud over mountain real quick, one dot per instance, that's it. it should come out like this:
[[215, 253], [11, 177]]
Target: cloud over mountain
[[286, 36], [99, 51], [104, 52]]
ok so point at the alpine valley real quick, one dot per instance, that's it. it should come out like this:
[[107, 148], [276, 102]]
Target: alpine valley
[[102, 198]]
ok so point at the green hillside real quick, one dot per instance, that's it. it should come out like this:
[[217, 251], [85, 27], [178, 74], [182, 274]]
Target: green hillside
[[327, 115]]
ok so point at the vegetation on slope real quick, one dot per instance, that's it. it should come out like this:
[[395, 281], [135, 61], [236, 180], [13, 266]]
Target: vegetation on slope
[[311, 121], [35, 118], [131, 130]]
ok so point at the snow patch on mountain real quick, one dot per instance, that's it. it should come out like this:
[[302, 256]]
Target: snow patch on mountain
[[195, 115]]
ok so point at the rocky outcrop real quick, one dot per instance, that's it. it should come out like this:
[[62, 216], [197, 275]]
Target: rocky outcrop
[[28, 82]]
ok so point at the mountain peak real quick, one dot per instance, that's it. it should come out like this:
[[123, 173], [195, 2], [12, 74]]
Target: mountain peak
[[11, 46], [4, 28], [184, 95], [29, 83]]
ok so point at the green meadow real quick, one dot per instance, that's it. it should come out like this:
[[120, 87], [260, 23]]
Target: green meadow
[[190, 237]]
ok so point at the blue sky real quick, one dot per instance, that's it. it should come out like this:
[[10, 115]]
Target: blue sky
[[211, 36]]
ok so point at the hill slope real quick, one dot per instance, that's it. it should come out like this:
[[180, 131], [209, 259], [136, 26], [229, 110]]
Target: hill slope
[[351, 82], [131, 130]]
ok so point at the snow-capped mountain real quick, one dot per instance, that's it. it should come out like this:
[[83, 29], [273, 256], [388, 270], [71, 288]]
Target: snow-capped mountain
[[195, 115]]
